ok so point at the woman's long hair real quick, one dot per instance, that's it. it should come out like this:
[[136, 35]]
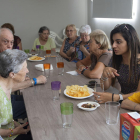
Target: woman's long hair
[[133, 44]]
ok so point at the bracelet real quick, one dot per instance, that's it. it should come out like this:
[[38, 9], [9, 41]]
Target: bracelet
[[35, 80], [104, 78], [112, 96], [32, 82], [11, 132], [82, 72]]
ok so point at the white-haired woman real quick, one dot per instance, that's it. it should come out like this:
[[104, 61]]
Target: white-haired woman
[[13, 69], [99, 58], [82, 48]]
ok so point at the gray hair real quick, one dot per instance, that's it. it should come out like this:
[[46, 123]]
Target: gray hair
[[44, 28], [11, 61], [3, 29], [85, 29]]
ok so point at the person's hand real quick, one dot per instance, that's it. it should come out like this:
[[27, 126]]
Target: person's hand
[[82, 48], [72, 49], [80, 68], [20, 130], [79, 72], [102, 97], [41, 79], [69, 58], [110, 72], [16, 124]]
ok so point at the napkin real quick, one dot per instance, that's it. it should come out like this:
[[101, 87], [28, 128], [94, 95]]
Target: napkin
[[72, 72], [40, 67]]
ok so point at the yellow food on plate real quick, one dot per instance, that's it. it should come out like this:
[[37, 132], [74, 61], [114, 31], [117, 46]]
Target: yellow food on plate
[[77, 91], [35, 58]]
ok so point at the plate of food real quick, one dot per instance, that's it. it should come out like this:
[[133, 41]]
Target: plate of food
[[78, 92], [88, 106], [36, 58], [33, 54]]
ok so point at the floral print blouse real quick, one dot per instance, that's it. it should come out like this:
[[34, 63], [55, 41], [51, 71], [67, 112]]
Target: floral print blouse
[[6, 114]]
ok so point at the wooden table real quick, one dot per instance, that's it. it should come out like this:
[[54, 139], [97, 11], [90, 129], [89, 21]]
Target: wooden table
[[44, 114]]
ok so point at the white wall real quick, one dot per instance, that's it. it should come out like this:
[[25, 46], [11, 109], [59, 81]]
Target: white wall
[[28, 16], [108, 24]]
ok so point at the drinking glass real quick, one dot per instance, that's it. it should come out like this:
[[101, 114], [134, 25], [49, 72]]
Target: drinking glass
[[60, 65], [66, 113], [48, 52], [38, 48], [46, 69], [100, 89], [112, 110], [55, 86], [27, 51]]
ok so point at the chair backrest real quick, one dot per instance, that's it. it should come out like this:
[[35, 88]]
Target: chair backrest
[[55, 37], [65, 36]]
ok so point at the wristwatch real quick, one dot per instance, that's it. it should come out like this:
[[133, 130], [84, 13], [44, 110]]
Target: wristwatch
[[121, 98], [82, 72]]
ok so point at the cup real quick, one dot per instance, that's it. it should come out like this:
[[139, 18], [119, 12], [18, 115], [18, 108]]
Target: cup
[[112, 110], [66, 113], [41, 47], [55, 86], [38, 48], [46, 69], [60, 65], [27, 51]]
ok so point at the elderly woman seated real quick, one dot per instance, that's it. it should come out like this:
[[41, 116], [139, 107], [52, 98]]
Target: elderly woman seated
[[13, 69], [81, 49], [44, 39], [93, 65], [69, 42]]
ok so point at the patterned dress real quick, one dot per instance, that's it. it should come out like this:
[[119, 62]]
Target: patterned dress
[[79, 54], [68, 45], [6, 114], [127, 87]]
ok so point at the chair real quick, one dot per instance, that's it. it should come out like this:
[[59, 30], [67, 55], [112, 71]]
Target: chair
[[54, 36], [65, 36]]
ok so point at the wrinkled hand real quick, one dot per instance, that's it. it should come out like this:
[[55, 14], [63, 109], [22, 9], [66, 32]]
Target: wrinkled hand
[[79, 72], [80, 68], [41, 79], [102, 97], [82, 48], [21, 130], [16, 124], [72, 49], [110, 72]]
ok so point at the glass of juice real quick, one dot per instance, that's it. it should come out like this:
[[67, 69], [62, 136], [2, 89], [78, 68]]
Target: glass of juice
[[46, 69], [60, 65], [48, 52]]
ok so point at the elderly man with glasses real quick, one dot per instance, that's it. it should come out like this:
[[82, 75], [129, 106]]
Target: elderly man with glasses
[[19, 111]]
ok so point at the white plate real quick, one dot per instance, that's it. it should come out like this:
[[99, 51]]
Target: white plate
[[36, 60], [32, 54], [90, 92], [88, 109]]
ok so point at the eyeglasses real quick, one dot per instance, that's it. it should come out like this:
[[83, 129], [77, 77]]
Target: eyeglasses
[[121, 26], [69, 31], [84, 35], [6, 41], [45, 34]]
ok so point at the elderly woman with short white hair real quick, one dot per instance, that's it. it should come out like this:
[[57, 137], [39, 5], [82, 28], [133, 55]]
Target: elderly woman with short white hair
[[13, 69], [81, 49]]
